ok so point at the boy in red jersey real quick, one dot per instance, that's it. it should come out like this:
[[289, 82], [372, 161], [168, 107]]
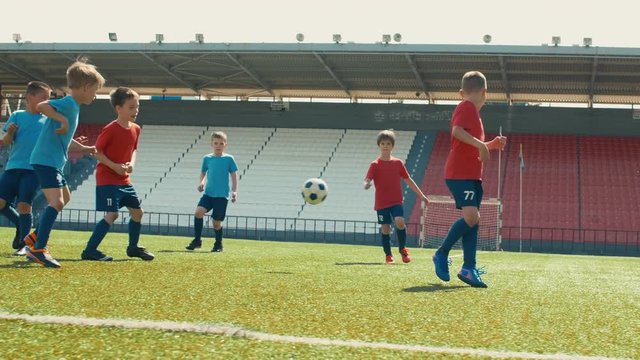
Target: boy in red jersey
[[386, 172], [116, 145], [463, 175]]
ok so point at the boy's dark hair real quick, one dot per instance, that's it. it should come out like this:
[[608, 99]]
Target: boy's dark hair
[[35, 87], [219, 135], [473, 80], [120, 95], [387, 135], [80, 74]]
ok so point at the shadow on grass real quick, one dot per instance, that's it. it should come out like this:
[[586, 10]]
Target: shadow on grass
[[19, 264], [435, 288], [359, 263], [184, 251], [95, 261], [280, 272]]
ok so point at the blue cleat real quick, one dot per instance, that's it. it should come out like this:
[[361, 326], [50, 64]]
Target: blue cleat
[[472, 277], [42, 257], [441, 263]]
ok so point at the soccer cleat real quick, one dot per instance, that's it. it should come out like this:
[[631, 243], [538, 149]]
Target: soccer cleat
[[390, 260], [472, 277], [217, 247], [441, 263], [194, 244], [42, 257], [405, 255], [96, 255], [30, 240], [21, 252], [16, 242], [141, 253]]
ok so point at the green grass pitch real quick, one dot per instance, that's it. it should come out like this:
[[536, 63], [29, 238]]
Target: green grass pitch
[[536, 303]]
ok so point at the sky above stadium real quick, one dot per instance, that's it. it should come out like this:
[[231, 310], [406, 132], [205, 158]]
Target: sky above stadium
[[609, 23]]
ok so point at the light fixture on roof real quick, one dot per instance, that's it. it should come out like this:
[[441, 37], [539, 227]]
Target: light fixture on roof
[[555, 40], [17, 38], [587, 41], [386, 38], [199, 38], [159, 38], [397, 37], [487, 38], [300, 37], [337, 38], [113, 36]]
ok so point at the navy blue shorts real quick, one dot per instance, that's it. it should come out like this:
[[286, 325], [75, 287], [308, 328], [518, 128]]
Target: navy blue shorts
[[466, 192], [19, 184], [387, 215], [49, 177], [217, 204], [112, 197]]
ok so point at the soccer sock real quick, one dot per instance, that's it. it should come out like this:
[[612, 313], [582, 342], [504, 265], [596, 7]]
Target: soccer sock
[[457, 230], [402, 238], [469, 247], [134, 233], [11, 214], [47, 219], [198, 224], [386, 244], [218, 235], [99, 232], [24, 225]]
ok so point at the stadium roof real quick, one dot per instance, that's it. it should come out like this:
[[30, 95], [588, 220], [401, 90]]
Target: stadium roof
[[357, 71]]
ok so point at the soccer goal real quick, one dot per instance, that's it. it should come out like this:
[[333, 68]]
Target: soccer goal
[[441, 212]]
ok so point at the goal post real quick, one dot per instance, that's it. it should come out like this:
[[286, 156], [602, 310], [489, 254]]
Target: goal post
[[441, 212]]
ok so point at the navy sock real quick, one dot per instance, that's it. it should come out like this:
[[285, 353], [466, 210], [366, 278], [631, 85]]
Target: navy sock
[[134, 233], [25, 225], [47, 219], [218, 235], [198, 224], [386, 244], [11, 214], [469, 247], [457, 230], [402, 238], [99, 232]]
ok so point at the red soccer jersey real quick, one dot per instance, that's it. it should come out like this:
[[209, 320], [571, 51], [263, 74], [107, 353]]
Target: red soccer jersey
[[386, 176], [463, 160], [117, 144]]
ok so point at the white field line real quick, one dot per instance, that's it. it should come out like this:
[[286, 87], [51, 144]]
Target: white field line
[[233, 331]]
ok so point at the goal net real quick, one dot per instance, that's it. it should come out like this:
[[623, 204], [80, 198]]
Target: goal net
[[441, 212]]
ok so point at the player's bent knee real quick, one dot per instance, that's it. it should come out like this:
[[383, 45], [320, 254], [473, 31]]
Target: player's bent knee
[[386, 229], [200, 212], [111, 217], [24, 208], [400, 224], [136, 214], [3, 203]]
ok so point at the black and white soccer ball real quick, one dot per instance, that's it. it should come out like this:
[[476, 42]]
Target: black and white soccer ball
[[314, 191]]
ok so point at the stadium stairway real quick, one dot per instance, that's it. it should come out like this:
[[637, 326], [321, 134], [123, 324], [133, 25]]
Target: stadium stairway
[[417, 162]]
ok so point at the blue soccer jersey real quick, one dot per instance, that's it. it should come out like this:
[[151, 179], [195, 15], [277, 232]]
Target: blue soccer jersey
[[24, 139], [51, 148], [218, 169]]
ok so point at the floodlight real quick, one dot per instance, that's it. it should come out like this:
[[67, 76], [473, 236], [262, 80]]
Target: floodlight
[[555, 40], [300, 37], [487, 38], [337, 38], [159, 38], [199, 38], [386, 38], [17, 38], [587, 41], [397, 37], [113, 37]]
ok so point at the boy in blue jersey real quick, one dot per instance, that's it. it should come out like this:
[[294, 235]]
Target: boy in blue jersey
[[50, 152], [19, 181], [216, 169]]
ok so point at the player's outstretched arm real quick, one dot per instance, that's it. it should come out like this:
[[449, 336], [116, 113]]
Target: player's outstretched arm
[[47, 110], [7, 139], [498, 143], [75, 145], [462, 135], [416, 189]]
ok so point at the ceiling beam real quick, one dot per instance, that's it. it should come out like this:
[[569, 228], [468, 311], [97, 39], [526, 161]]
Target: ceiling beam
[[172, 74], [250, 73], [109, 77], [28, 74], [197, 58], [505, 79], [592, 82], [333, 74], [414, 68]]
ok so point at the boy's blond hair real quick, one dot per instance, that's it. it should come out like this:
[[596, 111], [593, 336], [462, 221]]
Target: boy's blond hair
[[219, 135], [81, 74], [473, 81], [387, 135]]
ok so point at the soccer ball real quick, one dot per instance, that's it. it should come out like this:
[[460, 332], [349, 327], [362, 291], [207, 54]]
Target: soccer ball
[[314, 191]]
